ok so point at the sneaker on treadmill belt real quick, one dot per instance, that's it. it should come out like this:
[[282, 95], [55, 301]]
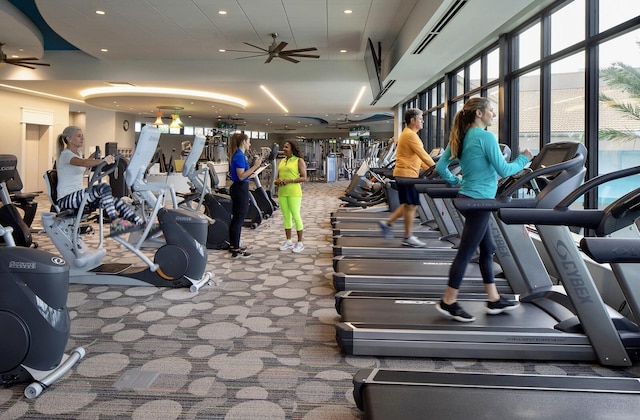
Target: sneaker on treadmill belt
[[413, 242], [386, 229], [455, 312], [501, 305]]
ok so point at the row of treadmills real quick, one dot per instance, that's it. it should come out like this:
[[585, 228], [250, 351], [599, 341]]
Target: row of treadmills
[[386, 295]]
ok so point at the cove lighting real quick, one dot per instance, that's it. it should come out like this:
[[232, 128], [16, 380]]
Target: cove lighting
[[150, 91], [355, 104], [38, 93], [274, 98]]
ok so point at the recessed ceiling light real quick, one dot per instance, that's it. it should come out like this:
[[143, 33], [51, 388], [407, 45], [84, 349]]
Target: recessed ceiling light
[[222, 12], [222, 50], [343, 51], [348, 12], [100, 12], [104, 50]]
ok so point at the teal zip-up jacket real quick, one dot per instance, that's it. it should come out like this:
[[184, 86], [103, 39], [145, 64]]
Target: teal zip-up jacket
[[481, 164]]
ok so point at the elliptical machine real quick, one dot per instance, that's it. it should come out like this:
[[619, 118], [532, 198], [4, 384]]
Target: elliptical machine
[[34, 319], [9, 215], [179, 262], [201, 193], [264, 202]]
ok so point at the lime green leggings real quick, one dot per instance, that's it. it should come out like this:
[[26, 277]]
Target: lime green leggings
[[290, 207]]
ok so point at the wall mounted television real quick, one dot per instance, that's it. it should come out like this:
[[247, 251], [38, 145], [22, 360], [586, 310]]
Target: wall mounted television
[[374, 68]]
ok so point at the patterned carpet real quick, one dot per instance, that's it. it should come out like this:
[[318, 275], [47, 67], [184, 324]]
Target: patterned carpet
[[259, 346]]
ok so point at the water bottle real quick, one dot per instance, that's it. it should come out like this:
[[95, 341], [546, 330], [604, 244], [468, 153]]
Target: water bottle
[[96, 155]]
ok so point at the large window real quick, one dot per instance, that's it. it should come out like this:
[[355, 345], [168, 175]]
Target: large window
[[619, 113], [572, 74]]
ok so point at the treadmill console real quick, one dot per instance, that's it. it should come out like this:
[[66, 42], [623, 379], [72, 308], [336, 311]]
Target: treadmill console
[[551, 154]]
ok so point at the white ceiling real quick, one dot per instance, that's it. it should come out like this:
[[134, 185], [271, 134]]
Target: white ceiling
[[175, 43]]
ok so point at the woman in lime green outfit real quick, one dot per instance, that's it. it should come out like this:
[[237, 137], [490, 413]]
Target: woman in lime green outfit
[[292, 171]]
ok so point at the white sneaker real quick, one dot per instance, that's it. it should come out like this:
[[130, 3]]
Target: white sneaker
[[286, 245], [298, 248], [414, 242]]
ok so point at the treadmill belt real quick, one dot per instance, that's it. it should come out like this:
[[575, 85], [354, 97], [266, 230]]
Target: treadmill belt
[[390, 394]]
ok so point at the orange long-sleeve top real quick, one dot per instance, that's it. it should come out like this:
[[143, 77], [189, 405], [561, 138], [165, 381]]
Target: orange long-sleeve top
[[410, 155]]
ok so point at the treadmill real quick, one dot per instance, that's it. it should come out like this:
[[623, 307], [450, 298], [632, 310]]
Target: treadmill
[[351, 214], [548, 325], [391, 395], [518, 262]]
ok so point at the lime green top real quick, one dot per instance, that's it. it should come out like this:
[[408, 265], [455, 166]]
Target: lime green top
[[288, 169]]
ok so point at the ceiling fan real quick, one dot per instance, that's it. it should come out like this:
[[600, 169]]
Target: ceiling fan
[[277, 51], [27, 62]]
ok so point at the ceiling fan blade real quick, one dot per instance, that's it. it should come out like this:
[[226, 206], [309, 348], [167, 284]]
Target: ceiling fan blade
[[33, 63], [22, 65], [280, 47], [247, 51], [286, 57], [255, 46], [299, 50], [269, 59], [251, 56], [300, 55]]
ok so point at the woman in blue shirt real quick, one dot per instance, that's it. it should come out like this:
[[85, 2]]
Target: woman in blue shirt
[[481, 162], [240, 172]]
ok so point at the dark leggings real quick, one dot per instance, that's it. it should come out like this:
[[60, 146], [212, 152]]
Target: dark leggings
[[476, 233], [239, 192]]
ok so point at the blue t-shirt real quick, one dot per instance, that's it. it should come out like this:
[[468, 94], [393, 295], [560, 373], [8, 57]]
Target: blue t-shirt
[[481, 163], [238, 160]]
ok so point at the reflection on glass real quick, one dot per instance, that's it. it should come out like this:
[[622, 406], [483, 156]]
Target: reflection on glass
[[458, 86], [493, 65], [567, 25], [619, 121], [492, 95], [529, 111], [614, 12], [474, 74], [529, 45], [567, 99]]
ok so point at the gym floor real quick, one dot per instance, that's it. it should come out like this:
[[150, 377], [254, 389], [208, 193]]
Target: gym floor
[[260, 345]]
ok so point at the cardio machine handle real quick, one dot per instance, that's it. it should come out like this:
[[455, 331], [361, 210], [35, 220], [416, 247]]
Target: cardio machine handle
[[578, 159], [100, 172], [595, 182]]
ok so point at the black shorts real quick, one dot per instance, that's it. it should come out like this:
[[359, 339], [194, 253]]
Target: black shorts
[[407, 194]]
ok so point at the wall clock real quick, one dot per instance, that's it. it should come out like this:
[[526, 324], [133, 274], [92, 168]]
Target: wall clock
[[125, 125]]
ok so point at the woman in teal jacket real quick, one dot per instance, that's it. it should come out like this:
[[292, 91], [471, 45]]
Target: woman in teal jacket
[[292, 171], [481, 162]]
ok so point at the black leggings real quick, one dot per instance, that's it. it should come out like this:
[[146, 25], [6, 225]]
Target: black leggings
[[476, 233], [239, 192]]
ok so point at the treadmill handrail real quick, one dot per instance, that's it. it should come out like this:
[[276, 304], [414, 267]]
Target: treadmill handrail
[[562, 215], [439, 192], [595, 182], [577, 160], [611, 250]]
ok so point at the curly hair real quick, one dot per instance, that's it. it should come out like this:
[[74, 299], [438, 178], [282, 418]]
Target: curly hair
[[295, 148]]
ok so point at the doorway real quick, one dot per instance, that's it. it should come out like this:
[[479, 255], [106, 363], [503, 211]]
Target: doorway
[[37, 151]]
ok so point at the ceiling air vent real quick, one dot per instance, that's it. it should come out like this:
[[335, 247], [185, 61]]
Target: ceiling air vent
[[438, 27]]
